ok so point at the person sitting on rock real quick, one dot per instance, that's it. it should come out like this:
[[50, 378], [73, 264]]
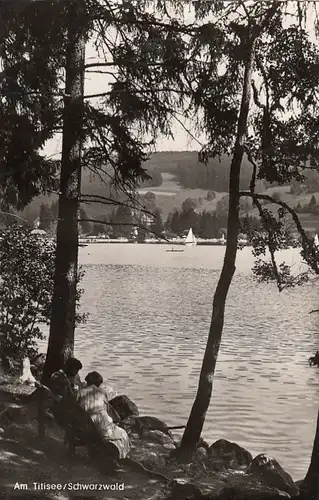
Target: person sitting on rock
[[93, 400], [64, 384]]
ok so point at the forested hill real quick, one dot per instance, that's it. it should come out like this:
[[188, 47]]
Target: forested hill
[[191, 174]]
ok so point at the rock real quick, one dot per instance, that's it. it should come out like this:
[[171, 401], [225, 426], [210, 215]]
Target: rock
[[183, 489], [224, 454], [124, 406], [152, 460], [202, 444], [157, 437], [169, 446], [248, 493], [272, 473], [18, 414], [202, 453]]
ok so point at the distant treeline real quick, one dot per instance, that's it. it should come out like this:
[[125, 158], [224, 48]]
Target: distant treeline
[[206, 225], [121, 221]]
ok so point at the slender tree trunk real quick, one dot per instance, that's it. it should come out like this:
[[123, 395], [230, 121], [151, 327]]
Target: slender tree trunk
[[61, 340], [198, 413], [310, 486]]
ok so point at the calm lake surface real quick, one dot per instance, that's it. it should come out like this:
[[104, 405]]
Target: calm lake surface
[[149, 318]]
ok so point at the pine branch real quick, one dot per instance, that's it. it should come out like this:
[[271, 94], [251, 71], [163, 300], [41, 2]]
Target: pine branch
[[111, 201]]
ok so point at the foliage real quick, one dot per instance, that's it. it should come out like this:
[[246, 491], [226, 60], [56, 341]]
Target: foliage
[[122, 222], [85, 225], [205, 225], [157, 225], [149, 201], [313, 201], [189, 204], [210, 196], [155, 179], [222, 206], [29, 109], [46, 217], [26, 273]]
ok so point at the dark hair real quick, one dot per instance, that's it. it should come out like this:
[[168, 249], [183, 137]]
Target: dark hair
[[72, 366], [94, 378]]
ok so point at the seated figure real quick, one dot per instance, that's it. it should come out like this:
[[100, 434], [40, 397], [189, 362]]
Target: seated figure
[[64, 384], [93, 400]]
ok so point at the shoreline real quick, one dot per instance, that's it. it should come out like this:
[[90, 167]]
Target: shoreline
[[223, 471], [88, 241]]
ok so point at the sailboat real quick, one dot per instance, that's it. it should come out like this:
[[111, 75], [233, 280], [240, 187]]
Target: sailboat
[[190, 239], [316, 241]]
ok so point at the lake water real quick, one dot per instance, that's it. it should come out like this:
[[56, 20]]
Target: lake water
[[149, 318]]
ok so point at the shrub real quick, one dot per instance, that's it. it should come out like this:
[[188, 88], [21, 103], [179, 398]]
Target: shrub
[[210, 196], [26, 285], [276, 196]]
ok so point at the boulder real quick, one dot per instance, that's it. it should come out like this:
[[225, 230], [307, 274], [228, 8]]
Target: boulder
[[271, 472], [124, 406], [201, 454], [157, 437], [247, 493], [182, 489], [202, 444], [18, 414], [153, 461], [224, 454], [237, 485]]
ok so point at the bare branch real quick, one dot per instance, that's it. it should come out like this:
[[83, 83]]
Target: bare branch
[[307, 244], [93, 198]]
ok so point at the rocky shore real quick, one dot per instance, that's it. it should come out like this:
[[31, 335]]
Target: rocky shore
[[219, 471]]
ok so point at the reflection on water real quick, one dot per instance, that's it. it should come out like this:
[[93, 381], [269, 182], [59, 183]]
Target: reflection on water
[[149, 318]]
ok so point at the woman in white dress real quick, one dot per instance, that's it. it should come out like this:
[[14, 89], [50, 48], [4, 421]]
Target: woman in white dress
[[93, 400]]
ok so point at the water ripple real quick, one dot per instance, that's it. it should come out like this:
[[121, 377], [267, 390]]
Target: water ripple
[[149, 318]]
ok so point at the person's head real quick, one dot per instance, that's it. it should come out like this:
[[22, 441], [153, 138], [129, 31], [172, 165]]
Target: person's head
[[72, 366], [94, 378]]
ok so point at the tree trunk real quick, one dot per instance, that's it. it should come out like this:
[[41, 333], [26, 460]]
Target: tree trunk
[[198, 413], [310, 486], [61, 340]]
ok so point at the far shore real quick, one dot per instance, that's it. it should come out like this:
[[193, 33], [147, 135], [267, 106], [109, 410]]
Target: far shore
[[180, 242]]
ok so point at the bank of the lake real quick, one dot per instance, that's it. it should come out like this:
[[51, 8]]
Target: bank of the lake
[[149, 317], [41, 468]]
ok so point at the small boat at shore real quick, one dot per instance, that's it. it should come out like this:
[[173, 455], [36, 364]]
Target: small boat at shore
[[175, 250], [316, 241]]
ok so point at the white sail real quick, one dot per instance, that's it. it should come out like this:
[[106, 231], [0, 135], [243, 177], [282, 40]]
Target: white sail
[[190, 238], [316, 241]]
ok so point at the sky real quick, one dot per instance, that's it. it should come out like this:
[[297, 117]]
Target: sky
[[98, 83]]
